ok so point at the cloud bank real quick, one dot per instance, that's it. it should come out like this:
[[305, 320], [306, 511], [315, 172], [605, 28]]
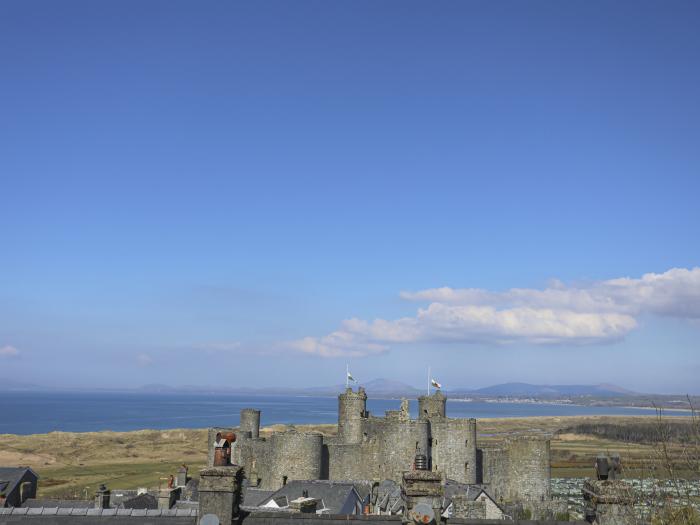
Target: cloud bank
[[595, 313]]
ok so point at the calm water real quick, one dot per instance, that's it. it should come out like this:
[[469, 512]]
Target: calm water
[[33, 413]]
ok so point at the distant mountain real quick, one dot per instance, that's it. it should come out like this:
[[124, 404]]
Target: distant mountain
[[10, 385], [377, 388], [374, 387], [529, 390], [388, 386]]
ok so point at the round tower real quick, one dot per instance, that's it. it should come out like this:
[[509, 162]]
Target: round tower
[[250, 422], [529, 468], [432, 406], [296, 455], [352, 410]]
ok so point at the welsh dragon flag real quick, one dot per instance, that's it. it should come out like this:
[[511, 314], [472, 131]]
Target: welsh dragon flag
[[435, 383]]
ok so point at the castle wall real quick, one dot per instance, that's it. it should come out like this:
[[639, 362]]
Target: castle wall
[[518, 469], [352, 462], [398, 442], [494, 461], [529, 469], [255, 456], [388, 448], [294, 455], [453, 448]]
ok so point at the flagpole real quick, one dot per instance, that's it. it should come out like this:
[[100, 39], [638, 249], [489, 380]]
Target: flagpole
[[347, 376], [429, 380]]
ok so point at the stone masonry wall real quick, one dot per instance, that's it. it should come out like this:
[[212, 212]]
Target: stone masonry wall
[[529, 472], [352, 411], [453, 448], [295, 455]]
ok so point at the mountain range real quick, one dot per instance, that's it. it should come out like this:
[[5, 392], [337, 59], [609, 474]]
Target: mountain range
[[376, 388], [391, 388]]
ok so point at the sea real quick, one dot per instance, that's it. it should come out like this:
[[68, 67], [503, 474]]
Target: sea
[[41, 412]]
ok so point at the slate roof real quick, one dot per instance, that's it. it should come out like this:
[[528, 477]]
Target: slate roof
[[336, 497], [10, 476], [253, 497], [86, 516], [142, 501], [389, 497], [119, 496], [33, 503], [186, 504], [454, 488]]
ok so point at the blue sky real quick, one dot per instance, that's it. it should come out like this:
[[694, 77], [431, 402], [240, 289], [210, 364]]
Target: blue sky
[[255, 193]]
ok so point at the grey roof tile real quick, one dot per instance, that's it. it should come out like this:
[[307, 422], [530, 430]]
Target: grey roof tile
[[58, 503]]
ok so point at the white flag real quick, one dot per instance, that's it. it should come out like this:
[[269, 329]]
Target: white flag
[[351, 378], [435, 383]]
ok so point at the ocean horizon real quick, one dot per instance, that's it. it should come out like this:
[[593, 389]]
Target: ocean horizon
[[42, 412]]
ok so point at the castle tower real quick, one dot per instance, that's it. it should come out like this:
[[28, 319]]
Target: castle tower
[[352, 409], [295, 455], [250, 422], [432, 406]]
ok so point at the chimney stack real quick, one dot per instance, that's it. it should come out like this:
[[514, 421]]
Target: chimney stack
[[304, 505], [220, 493], [222, 449], [102, 497], [181, 476]]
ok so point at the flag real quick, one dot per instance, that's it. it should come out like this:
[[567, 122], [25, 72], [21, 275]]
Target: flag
[[351, 378], [435, 383]]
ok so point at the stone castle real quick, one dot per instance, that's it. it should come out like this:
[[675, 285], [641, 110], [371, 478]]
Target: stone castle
[[375, 448]]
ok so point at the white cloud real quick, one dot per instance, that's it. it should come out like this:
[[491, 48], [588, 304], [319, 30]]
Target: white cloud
[[337, 344], [144, 360], [674, 293], [8, 351], [600, 312]]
